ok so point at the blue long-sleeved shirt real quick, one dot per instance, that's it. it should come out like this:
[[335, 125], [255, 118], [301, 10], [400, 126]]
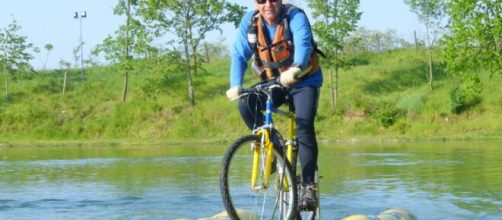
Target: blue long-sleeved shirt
[[302, 39]]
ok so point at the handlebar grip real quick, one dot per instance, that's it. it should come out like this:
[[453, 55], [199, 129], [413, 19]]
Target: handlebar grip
[[243, 91]]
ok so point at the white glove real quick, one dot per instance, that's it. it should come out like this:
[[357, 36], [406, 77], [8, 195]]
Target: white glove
[[233, 93], [288, 77]]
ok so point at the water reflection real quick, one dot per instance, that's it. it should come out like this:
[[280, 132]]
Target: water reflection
[[434, 180]]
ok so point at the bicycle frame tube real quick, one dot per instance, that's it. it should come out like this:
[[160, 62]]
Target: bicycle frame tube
[[268, 112], [290, 140], [267, 144], [291, 135], [256, 163]]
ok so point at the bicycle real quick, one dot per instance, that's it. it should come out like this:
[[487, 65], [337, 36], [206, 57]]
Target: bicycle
[[274, 180]]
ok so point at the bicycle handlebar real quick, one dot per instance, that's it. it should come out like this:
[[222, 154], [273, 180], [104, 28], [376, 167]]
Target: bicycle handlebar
[[262, 86]]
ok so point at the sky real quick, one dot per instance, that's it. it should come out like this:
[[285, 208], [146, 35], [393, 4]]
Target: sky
[[51, 21]]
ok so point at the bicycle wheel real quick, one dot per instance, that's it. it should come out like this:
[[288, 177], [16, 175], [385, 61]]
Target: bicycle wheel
[[277, 201]]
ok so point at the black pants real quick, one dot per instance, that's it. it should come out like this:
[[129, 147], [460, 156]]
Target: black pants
[[304, 102]]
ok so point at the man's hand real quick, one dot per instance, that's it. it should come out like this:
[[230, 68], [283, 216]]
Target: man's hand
[[233, 93], [288, 77]]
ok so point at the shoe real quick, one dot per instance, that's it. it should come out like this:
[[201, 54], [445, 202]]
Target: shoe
[[308, 197]]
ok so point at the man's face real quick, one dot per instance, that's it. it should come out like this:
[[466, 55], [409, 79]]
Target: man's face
[[269, 9]]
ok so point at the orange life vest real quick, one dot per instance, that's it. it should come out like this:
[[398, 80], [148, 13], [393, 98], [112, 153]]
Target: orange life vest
[[273, 58]]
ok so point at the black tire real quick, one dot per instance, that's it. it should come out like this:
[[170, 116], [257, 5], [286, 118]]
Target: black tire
[[235, 184]]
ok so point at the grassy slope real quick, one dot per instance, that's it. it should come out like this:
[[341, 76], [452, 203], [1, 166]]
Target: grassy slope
[[376, 85]]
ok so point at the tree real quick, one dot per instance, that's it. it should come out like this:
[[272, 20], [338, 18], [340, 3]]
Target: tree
[[189, 21], [363, 39], [64, 66], [335, 20], [216, 49], [15, 51], [133, 39], [48, 49], [474, 41], [431, 14]]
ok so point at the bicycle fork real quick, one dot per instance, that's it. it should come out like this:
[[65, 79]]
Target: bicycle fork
[[292, 150], [267, 145]]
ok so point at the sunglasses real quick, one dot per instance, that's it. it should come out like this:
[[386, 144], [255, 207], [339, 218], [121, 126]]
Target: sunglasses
[[261, 2]]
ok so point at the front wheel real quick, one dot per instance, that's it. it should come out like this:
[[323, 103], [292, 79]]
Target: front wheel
[[277, 201]]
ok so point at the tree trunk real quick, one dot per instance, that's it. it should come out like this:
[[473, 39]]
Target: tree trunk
[[187, 42], [416, 39], [5, 76], [333, 102], [337, 78], [46, 59], [334, 87], [379, 44], [430, 68], [64, 80], [207, 52], [334, 94], [126, 85], [191, 92], [430, 56], [192, 43], [195, 63], [126, 74]]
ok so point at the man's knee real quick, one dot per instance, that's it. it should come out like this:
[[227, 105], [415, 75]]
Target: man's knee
[[305, 130]]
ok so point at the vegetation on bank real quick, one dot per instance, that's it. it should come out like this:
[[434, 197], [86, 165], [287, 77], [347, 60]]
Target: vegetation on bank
[[382, 95], [379, 86]]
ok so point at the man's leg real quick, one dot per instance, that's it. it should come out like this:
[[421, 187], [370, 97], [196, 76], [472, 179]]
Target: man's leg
[[251, 106], [305, 102]]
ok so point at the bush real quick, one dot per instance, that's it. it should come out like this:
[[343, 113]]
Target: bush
[[457, 99], [412, 103], [387, 115]]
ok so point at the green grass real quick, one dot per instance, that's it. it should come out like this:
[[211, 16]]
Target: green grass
[[381, 96]]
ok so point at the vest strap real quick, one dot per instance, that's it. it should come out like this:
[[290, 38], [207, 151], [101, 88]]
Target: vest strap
[[286, 62]]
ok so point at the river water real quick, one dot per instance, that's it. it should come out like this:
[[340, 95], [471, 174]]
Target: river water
[[434, 180]]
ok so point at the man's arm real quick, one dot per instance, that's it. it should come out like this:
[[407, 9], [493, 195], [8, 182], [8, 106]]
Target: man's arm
[[302, 37], [241, 52]]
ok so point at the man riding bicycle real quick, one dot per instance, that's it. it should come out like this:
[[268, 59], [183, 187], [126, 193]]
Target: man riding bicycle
[[280, 38]]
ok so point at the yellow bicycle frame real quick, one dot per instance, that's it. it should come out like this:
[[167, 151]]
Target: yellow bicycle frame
[[268, 147], [291, 135]]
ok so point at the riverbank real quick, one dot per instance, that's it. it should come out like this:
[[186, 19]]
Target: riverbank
[[381, 97], [228, 141]]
